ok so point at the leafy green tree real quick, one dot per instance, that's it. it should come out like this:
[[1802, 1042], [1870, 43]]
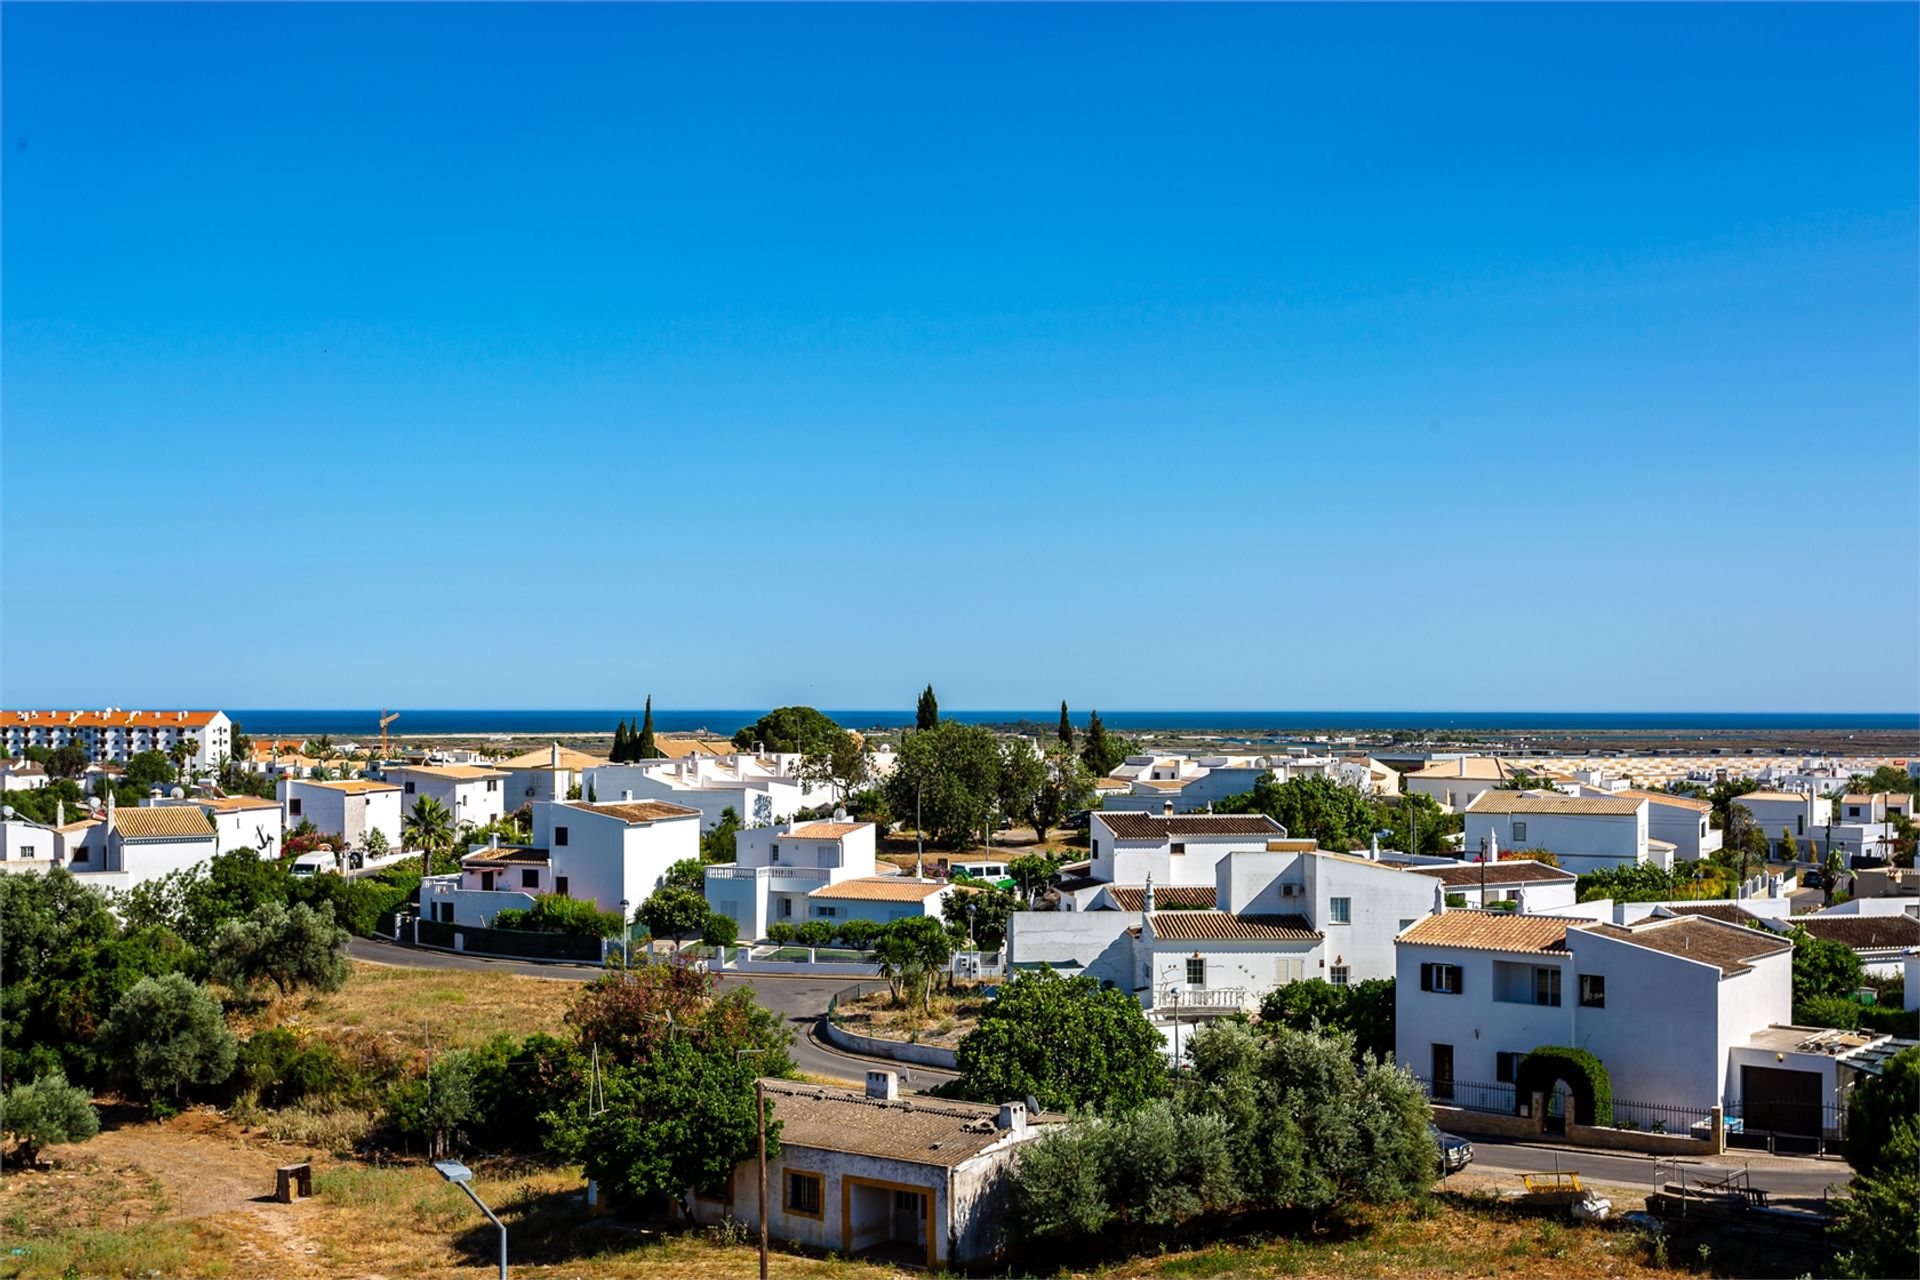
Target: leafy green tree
[[927, 713], [1065, 731], [46, 1112], [858, 933], [841, 760], [1823, 969], [1023, 772], [1310, 1127], [949, 775], [983, 913], [167, 1033], [1059, 1188], [1064, 787], [1033, 874], [437, 1105], [1363, 1011], [780, 933], [646, 748], [622, 750], [1314, 805], [1880, 1221], [291, 947], [815, 933], [1065, 1042], [720, 844], [800, 729], [147, 770], [681, 1123], [688, 873], [674, 912], [629, 1016], [1145, 1170], [1828, 1011], [69, 761], [1418, 824]]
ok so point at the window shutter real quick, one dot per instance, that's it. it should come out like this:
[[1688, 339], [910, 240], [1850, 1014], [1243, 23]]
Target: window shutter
[[1457, 975], [1426, 977]]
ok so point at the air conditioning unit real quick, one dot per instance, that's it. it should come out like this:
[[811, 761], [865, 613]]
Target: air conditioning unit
[[1289, 890]]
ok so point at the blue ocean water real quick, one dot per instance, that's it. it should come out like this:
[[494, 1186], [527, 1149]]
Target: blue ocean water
[[360, 724]]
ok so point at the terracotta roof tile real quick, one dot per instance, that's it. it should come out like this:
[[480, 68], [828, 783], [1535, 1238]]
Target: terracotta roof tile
[[880, 889], [1169, 897], [1864, 933], [636, 811], [1701, 938], [348, 786], [1222, 926], [1149, 826], [916, 1130], [1667, 798], [1508, 871], [162, 822], [1490, 931], [1528, 802], [823, 831]]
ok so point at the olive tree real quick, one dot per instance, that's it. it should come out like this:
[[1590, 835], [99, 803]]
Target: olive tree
[[43, 1112], [167, 1033]]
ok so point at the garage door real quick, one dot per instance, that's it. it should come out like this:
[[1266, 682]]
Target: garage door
[[1774, 1100]]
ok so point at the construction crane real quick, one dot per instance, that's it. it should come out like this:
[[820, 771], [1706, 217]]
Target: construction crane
[[385, 720]]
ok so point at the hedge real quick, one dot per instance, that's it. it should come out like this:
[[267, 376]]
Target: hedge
[[1585, 1075]]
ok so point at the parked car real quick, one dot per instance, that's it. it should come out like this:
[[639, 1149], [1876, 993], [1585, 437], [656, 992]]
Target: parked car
[[313, 864], [1455, 1153]]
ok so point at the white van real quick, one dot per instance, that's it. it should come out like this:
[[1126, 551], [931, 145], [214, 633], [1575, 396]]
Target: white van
[[313, 864]]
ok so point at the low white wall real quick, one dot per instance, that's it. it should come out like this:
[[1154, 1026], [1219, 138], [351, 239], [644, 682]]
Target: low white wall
[[925, 1055]]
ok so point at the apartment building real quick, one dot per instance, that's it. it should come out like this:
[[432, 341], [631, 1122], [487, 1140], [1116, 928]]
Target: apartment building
[[112, 734]]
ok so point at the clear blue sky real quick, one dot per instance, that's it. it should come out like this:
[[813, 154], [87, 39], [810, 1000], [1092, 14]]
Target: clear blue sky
[[1487, 358]]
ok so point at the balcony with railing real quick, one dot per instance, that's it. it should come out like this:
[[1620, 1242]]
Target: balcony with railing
[[816, 875], [1179, 998]]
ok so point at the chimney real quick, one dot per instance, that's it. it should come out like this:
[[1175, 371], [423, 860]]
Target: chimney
[[1012, 1118], [554, 757], [1166, 808], [883, 1086], [59, 813], [1440, 897], [1373, 850], [1493, 847], [1147, 906], [109, 810], [493, 840]]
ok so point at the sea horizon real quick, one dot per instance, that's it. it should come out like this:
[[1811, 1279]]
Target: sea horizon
[[272, 721]]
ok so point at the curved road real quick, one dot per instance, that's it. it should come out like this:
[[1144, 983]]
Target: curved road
[[801, 1002]]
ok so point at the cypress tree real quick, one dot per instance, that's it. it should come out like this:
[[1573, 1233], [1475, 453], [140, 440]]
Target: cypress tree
[[644, 748], [927, 714], [622, 741], [1096, 749], [1066, 727]]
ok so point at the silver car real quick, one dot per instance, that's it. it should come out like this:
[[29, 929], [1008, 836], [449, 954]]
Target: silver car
[[1455, 1153]]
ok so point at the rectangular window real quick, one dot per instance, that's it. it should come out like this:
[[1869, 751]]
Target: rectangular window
[[1443, 979], [293, 807], [1503, 1066], [1546, 987], [1340, 910], [1443, 1071], [409, 788], [1196, 971], [1593, 991], [908, 1202], [560, 837], [1801, 823], [1519, 832], [786, 908], [530, 879], [804, 1194], [826, 912], [1405, 924], [560, 886], [1339, 974], [493, 784], [1179, 848]]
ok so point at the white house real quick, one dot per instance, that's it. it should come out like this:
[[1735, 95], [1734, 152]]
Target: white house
[[470, 793], [1801, 814], [761, 789], [775, 868], [1681, 821], [26, 846], [1531, 886], [116, 734], [608, 854], [240, 822], [22, 775], [128, 847], [353, 808], [549, 774], [1457, 781], [868, 1174], [1189, 783], [1129, 847], [882, 899], [1663, 1003], [1881, 939], [1585, 833]]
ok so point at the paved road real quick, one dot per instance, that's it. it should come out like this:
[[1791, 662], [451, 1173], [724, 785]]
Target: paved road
[[799, 1001], [1779, 1177]]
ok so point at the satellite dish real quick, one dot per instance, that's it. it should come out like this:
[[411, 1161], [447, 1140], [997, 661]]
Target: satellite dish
[[1033, 1105], [7, 812], [179, 793], [93, 802]]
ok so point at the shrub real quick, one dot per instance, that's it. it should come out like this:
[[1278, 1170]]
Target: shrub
[[780, 932], [1585, 1075], [292, 947], [815, 933], [43, 1112], [167, 1033], [437, 1105], [1065, 1042], [720, 931], [858, 934], [1827, 1011], [552, 913], [281, 1069]]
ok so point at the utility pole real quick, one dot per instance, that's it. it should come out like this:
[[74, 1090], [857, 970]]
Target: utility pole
[[760, 1103], [919, 836]]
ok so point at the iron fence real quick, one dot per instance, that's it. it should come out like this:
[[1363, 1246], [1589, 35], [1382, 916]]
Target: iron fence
[[1661, 1117], [1489, 1099], [1786, 1127]]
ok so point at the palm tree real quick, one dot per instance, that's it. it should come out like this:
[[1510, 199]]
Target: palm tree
[[431, 827], [181, 752]]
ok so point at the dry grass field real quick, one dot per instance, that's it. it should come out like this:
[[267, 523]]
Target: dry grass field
[[947, 1018], [462, 1008]]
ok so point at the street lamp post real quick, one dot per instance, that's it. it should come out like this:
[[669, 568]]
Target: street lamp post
[[626, 943], [460, 1176]]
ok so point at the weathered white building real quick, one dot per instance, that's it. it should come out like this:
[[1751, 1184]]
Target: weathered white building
[[353, 809], [1457, 781], [868, 1174], [21, 775], [1530, 886], [776, 868], [761, 789], [1800, 814], [1584, 833], [882, 899], [116, 734], [1190, 784], [128, 847], [1663, 1003], [1129, 847], [549, 774], [1681, 821], [240, 822]]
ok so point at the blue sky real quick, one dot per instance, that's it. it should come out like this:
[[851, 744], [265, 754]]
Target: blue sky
[[1485, 358]]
